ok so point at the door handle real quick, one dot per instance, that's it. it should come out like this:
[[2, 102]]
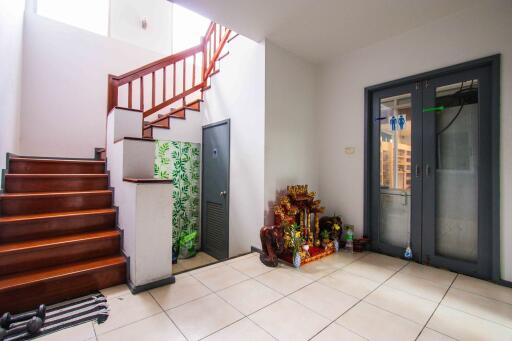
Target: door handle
[[223, 193], [427, 170], [417, 170]]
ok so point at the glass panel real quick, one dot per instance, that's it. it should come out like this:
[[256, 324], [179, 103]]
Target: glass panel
[[395, 170], [457, 171]]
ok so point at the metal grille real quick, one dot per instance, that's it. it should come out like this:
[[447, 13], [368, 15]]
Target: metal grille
[[215, 235]]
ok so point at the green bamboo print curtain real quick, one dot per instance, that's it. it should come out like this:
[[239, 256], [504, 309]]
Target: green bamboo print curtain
[[179, 161]]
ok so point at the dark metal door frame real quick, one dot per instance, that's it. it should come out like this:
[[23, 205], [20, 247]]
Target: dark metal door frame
[[493, 62], [203, 199]]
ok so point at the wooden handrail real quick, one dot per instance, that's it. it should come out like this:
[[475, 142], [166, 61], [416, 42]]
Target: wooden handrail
[[216, 55], [210, 49], [159, 64]]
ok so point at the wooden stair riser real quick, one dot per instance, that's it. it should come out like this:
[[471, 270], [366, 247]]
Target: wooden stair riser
[[25, 184], [31, 229], [166, 123], [148, 132], [42, 257], [54, 290], [55, 166], [17, 205]]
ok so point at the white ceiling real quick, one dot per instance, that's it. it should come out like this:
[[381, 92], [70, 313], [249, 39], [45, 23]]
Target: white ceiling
[[319, 30]]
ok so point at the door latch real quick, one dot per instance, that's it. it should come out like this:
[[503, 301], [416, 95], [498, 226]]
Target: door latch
[[223, 193]]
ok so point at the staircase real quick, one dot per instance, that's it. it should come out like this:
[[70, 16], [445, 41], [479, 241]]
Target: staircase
[[166, 89], [58, 235]]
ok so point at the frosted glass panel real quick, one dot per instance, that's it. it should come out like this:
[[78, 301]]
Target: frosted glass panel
[[395, 170], [456, 203]]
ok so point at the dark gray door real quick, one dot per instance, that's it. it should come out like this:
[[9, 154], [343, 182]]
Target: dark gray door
[[215, 191], [457, 182], [396, 162]]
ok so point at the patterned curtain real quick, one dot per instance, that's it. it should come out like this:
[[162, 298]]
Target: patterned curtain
[[179, 161]]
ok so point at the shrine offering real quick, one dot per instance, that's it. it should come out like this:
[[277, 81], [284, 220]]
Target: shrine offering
[[298, 212]]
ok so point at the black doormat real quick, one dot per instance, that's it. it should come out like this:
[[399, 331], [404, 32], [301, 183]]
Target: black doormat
[[46, 320]]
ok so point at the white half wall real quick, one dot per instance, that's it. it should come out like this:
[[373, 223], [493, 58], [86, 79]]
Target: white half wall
[[291, 152], [238, 93], [11, 43], [65, 86], [145, 209], [469, 34]]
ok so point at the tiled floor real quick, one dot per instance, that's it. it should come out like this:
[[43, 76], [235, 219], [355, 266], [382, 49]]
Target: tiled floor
[[200, 259], [342, 297]]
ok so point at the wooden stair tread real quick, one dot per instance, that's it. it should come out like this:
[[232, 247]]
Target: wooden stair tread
[[56, 241], [53, 194], [50, 160], [50, 176], [55, 215], [178, 113], [55, 272]]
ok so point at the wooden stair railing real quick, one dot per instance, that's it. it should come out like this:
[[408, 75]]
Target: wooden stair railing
[[178, 74]]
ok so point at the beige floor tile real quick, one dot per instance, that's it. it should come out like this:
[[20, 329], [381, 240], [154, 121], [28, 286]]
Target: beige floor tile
[[431, 335], [288, 320], [184, 290], [245, 330], [127, 309], [200, 259], [437, 276], [480, 306], [81, 332], [417, 286], [154, 328], [204, 316], [373, 272], [239, 258], [341, 259], [391, 263], [220, 277], [335, 332], [462, 326], [115, 291], [316, 270], [250, 266], [349, 283], [483, 288], [206, 268], [325, 301], [249, 296], [181, 275], [283, 280], [408, 306], [374, 323]]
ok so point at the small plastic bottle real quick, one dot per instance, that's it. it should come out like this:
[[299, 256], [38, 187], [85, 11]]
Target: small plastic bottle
[[349, 246]]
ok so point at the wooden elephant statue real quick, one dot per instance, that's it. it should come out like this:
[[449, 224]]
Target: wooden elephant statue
[[272, 244]]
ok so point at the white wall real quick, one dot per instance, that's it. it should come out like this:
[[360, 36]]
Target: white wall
[[126, 23], [469, 34], [11, 34], [65, 86], [291, 153], [238, 93]]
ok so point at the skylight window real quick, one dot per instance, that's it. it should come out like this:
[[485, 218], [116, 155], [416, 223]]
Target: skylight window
[[188, 28], [91, 15]]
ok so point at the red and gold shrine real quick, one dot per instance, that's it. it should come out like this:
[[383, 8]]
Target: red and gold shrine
[[299, 206]]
